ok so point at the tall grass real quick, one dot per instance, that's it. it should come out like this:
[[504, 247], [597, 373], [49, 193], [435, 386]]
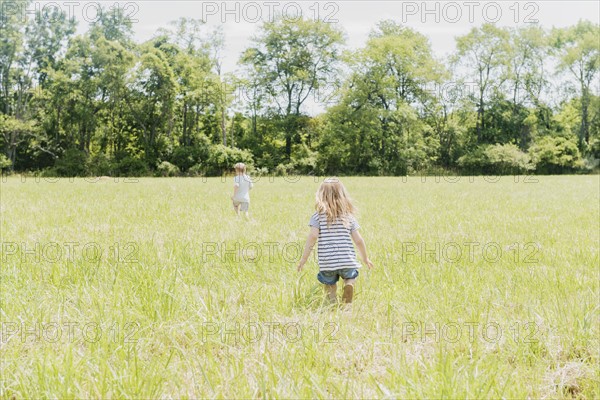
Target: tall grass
[[187, 301]]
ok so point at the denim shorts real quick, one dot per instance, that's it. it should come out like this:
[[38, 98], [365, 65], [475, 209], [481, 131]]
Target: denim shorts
[[331, 277]]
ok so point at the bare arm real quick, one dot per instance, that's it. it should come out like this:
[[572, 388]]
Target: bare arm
[[362, 248], [235, 190], [310, 243]]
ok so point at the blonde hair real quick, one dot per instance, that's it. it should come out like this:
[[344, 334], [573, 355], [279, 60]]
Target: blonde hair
[[333, 200], [240, 167]]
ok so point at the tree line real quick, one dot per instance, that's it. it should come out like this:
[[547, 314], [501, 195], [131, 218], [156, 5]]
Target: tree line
[[508, 100]]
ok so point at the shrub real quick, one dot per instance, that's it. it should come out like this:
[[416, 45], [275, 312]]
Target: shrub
[[284, 169], [71, 163], [376, 166], [5, 163], [497, 159], [475, 161], [100, 164], [304, 161], [196, 170], [507, 159], [165, 168], [554, 155], [131, 166], [48, 172], [185, 157], [222, 159], [412, 158], [261, 171], [591, 164]]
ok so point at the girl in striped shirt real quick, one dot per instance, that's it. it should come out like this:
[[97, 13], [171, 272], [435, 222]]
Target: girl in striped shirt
[[335, 227]]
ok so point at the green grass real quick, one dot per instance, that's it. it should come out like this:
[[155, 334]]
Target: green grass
[[165, 300]]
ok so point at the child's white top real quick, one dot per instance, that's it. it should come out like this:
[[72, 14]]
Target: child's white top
[[335, 249], [244, 184]]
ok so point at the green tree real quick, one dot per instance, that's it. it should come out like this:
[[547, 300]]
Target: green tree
[[378, 125], [484, 53], [188, 46], [11, 44], [578, 51], [293, 59], [46, 39], [527, 83], [151, 100]]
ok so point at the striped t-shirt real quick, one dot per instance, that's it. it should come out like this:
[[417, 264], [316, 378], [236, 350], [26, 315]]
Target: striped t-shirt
[[335, 249]]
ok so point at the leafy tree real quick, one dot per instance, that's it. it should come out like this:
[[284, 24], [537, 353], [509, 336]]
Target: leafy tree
[[11, 44], [46, 38], [526, 78], [113, 25], [377, 127], [484, 52], [293, 59], [151, 100], [578, 52]]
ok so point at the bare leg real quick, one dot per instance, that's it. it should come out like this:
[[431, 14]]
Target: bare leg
[[331, 291], [348, 291]]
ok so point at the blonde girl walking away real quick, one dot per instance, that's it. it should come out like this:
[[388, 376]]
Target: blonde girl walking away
[[242, 184], [334, 226]]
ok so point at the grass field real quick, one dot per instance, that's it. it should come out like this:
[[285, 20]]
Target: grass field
[[152, 288]]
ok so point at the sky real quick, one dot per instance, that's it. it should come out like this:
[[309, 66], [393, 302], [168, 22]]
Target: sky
[[440, 21]]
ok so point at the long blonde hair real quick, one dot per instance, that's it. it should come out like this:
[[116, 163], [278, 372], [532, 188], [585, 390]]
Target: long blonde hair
[[333, 200]]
